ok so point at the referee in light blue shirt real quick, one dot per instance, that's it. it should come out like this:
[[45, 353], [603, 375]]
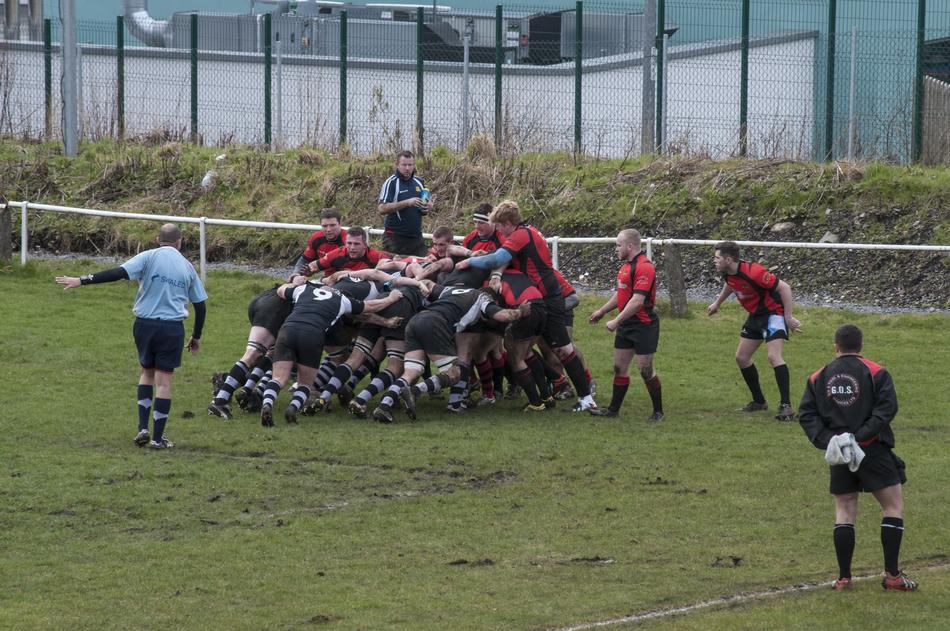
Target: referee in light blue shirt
[[167, 282]]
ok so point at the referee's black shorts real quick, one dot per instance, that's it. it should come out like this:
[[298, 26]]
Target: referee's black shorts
[[159, 343], [880, 469]]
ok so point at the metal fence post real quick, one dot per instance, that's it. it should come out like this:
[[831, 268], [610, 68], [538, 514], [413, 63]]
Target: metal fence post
[[194, 77], [466, 99], [279, 96], [852, 90], [24, 233], [555, 251], [419, 90], [647, 103], [202, 249], [830, 83], [499, 53], [120, 76], [917, 141], [578, 72], [744, 83], [343, 55], [267, 62], [660, 64], [48, 74]]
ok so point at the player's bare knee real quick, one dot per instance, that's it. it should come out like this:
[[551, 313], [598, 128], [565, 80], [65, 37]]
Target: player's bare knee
[[646, 372]]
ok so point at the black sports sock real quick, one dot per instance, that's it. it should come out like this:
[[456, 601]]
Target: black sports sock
[[144, 394], [160, 417], [621, 384], [263, 366], [781, 378], [236, 377], [301, 394], [380, 382], [457, 391], [751, 376], [498, 366], [340, 376], [578, 376], [656, 392], [537, 367], [525, 379], [550, 372], [844, 548], [392, 394], [892, 531]]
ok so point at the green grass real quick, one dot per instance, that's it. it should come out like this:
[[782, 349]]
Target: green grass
[[559, 519]]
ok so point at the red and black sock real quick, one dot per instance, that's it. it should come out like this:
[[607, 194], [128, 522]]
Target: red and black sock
[[575, 371], [655, 391], [619, 392], [486, 374]]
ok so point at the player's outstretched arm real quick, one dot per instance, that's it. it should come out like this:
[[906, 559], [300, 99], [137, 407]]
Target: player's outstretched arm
[[721, 298], [105, 276]]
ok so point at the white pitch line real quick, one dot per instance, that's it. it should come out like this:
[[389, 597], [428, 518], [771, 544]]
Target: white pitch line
[[725, 600]]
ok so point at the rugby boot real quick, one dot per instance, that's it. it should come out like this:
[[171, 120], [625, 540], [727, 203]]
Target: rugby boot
[[842, 584], [513, 391], [586, 404], [485, 401], [785, 413], [899, 583], [164, 443], [345, 395], [563, 392], [222, 410], [408, 402], [534, 408], [142, 438], [607, 412], [249, 400], [549, 403], [656, 417], [753, 406], [357, 409], [267, 416], [383, 415], [290, 415], [458, 407]]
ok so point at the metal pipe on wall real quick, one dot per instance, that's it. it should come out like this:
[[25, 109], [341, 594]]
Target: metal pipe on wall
[[12, 25], [36, 19], [70, 119], [647, 102]]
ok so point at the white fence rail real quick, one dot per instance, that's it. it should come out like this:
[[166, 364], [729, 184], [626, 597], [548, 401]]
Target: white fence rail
[[554, 242]]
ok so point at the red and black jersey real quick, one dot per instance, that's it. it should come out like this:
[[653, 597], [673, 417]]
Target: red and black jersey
[[638, 276], [850, 395], [319, 245], [517, 288], [566, 288], [756, 288], [531, 256], [339, 259], [476, 243]]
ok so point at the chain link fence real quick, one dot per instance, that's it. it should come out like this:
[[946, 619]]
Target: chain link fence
[[811, 79]]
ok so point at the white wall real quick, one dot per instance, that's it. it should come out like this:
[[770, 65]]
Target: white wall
[[538, 103]]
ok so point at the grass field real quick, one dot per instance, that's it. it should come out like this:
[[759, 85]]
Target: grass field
[[489, 521]]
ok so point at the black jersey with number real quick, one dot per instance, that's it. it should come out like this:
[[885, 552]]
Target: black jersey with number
[[358, 288], [469, 277], [317, 307], [461, 306], [411, 295]]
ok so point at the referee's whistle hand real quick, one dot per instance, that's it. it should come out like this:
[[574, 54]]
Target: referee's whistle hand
[[194, 345]]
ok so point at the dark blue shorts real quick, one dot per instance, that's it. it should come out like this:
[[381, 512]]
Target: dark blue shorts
[[159, 342]]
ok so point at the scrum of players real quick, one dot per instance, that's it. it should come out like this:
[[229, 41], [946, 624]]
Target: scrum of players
[[376, 330]]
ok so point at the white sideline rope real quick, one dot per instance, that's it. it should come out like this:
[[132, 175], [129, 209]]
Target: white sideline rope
[[649, 242]]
